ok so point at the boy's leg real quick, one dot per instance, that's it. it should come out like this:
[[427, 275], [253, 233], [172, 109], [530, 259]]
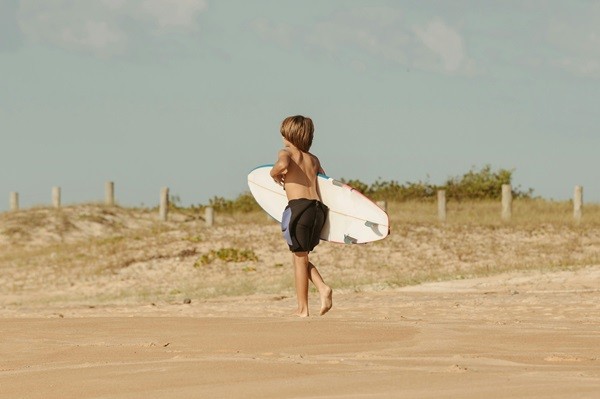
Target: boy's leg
[[325, 292], [301, 276]]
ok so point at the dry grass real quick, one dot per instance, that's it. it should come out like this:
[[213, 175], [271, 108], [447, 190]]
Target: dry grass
[[92, 254], [487, 213]]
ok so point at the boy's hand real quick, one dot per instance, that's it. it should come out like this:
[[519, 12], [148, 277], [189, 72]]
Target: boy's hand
[[279, 179]]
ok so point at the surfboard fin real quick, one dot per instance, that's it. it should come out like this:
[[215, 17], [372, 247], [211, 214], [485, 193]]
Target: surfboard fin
[[349, 240], [374, 226]]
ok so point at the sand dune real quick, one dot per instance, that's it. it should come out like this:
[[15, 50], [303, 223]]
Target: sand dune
[[91, 306]]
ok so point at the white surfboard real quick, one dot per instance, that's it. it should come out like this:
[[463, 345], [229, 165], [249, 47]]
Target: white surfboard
[[352, 218]]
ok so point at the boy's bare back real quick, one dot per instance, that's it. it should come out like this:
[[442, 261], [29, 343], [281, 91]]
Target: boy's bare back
[[300, 178]]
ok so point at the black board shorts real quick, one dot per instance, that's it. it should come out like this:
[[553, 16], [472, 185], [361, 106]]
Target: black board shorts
[[302, 222]]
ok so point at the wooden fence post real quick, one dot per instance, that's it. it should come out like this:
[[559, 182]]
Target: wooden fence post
[[506, 202], [578, 203], [56, 197], [441, 205], [163, 209], [14, 201], [209, 216], [109, 193], [382, 205]]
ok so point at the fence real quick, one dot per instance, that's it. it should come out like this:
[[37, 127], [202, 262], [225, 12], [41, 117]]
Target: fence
[[163, 210], [109, 200], [507, 200]]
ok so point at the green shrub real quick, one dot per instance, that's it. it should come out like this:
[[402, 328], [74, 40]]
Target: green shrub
[[227, 255], [482, 184], [243, 203], [473, 185]]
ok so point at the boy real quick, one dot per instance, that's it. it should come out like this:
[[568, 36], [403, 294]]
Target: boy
[[296, 170]]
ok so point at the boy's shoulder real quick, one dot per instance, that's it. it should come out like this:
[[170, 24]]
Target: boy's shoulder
[[313, 157], [284, 153], [288, 153]]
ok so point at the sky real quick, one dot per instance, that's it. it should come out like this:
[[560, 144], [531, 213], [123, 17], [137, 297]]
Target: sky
[[190, 94]]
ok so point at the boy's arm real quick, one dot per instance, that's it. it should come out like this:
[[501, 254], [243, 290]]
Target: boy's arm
[[279, 170]]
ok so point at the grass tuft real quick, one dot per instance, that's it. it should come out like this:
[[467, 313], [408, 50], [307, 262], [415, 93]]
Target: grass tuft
[[227, 255]]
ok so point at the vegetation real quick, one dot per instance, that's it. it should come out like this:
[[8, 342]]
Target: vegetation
[[227, 255], [243, 203], [480, 184]]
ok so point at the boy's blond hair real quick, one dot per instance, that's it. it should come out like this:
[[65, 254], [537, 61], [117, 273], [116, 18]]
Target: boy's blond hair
[[299, 131]]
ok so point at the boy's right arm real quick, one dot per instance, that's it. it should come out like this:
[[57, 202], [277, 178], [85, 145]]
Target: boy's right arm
[[279, 170]]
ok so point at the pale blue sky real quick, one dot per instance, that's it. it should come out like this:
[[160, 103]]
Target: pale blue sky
[[189, 94]]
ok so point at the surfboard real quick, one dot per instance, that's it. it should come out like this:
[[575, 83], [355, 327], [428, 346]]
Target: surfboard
[[352, 219]]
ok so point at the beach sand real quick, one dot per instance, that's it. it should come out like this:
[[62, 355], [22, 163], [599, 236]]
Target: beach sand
[[534, 335]]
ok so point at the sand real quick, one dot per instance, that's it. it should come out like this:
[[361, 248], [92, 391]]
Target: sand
[[534, 335], [92, 306]]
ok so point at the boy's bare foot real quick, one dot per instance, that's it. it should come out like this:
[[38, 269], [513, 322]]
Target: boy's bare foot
[[326, 300], [301, 312]]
